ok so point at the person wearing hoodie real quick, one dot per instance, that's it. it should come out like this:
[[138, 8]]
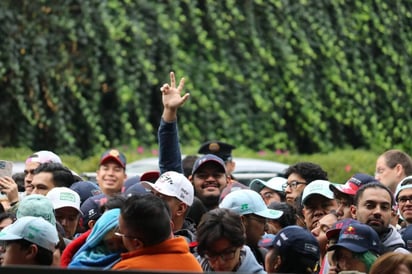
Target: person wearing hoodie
[[92, 208], [221, 243], [102, 248], [374, 205]]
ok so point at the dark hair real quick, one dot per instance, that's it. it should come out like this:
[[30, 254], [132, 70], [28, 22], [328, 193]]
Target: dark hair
[[362, 189], [148, 216], [395, 156], [6, 215], [115, 201], [187, 164], [19, 179], [220, 223], [43, 256], [308, 171], [62, 176], [289, 213]]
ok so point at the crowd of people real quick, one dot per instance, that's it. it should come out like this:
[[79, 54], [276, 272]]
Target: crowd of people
[[193, 216]]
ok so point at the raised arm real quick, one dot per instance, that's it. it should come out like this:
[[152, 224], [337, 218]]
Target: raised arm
[[170, 158]]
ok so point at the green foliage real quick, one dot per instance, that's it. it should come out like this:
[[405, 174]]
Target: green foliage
[[302, 76]]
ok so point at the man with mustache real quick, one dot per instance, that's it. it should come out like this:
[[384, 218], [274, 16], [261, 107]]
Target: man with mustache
[[209, 178], [374, 206]]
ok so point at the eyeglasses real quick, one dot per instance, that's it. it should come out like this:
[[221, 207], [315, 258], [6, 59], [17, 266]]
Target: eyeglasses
[[404, 199], [292, 185], [226, 255], [118, 234]]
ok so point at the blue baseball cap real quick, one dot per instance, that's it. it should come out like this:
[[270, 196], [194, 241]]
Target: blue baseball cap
[[358, 238], [207, 159], [293, 239], [85, 189]]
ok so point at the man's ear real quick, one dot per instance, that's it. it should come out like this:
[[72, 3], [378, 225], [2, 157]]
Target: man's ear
[[181, 209], [353, 211], [31, 252], [277, 264], [91, 223], [137, 243]]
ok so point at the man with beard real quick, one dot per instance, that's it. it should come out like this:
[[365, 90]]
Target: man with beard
[[209, 178], [374, 206]]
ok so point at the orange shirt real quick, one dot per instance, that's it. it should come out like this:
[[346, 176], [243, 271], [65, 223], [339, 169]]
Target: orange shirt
[[171, 255]]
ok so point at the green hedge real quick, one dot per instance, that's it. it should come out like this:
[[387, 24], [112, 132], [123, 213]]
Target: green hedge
[[302, 76]]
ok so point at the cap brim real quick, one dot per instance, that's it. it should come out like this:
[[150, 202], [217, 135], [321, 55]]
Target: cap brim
[[352, 247], [342, 189], [63, 205], [9, 237], [313, 194], [269, 213], [256, 185], [151, 186]]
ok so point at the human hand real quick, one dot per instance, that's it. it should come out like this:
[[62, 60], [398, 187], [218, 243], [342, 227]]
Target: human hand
[[171, 97], [9, 187]]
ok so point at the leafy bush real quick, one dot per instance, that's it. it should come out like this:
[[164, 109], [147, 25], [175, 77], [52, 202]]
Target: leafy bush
[[303, 76]]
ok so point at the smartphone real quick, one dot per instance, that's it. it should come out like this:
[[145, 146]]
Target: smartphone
[[6, 168]]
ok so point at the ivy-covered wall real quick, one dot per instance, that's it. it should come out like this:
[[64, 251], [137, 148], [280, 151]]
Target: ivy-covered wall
[[305, 76]]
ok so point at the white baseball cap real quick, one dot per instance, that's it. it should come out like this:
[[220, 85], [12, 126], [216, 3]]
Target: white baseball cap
[[246, 201], [64, 197], [44, 156], [173, 184], [275, 183], [33, 229], [319, 187]]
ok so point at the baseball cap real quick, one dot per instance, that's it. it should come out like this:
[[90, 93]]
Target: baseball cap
[[113, 154], [404, 184], [220, 149], [33, 229], [319, 187], [358, 238], [85, 189], [353, 184], [44, 156], [64, 197], [150, 176], [275, 183], [293, 239], [173, 184], [136, 189], [334, 231], [36, 205], [246, 201], [206, 159], [91, 209], [407, 237]]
